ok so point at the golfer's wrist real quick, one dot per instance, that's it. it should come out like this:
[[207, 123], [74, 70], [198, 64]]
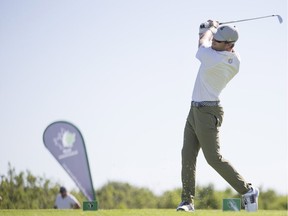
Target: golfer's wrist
[[213, 29]]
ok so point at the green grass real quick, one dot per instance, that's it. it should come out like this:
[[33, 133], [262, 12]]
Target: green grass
[[135, 212]]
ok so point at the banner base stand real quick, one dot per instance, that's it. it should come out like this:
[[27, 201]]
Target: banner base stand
[[232, 204], [90, 206]]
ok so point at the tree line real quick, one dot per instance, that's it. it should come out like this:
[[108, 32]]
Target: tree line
[[23, 190]]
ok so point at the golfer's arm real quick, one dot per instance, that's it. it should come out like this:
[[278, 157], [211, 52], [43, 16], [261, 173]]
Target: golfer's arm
[[206, 36], [76, 206]]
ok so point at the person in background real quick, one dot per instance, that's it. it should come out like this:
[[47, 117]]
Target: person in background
[[65, 200]]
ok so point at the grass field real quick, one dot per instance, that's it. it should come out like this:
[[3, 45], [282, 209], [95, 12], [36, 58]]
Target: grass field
[[138, 212]]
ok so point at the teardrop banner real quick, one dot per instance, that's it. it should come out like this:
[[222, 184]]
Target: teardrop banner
[[65, 142]]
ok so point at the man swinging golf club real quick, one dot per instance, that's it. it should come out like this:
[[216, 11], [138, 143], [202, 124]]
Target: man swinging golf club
[[219, 64]]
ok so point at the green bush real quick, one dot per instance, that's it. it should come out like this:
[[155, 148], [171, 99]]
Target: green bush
[[25, 191], [117, 195]]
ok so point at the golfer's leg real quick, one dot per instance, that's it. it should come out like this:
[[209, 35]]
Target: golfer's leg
[[208, 135], [189, 155]]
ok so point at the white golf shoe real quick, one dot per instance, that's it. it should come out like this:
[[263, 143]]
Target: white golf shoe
[[250, 199], [186, 206]]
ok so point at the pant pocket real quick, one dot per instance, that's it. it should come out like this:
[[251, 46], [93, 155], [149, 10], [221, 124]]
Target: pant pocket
[[214, 116], [218, 121]]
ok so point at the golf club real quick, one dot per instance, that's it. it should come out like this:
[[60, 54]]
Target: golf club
[[243, 20]]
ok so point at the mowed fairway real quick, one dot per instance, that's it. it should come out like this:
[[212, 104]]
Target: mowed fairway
[[136, 212]]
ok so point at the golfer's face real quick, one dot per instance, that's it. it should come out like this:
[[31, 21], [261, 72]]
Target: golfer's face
[[218, 45], [63, 194]]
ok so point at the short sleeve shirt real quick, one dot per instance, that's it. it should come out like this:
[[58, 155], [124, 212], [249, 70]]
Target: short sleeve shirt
[[217, 68], [65, 203]]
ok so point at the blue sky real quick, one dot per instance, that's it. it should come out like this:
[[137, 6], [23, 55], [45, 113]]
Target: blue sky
[[123, 72]]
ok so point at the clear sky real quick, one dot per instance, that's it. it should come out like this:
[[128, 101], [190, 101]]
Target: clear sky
[[123, 72]]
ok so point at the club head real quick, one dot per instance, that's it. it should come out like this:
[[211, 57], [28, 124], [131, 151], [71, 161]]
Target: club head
[[279, 18]]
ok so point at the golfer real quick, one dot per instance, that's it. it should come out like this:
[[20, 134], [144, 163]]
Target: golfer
[[219, 64], [65, 200]]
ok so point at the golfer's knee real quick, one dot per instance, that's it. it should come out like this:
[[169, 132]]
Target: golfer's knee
[[214, 160]]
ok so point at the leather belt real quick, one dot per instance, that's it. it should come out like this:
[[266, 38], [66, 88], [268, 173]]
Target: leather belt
[[205, 103]]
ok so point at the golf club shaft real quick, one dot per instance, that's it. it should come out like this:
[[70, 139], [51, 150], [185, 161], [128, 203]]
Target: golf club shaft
[[243, 20]]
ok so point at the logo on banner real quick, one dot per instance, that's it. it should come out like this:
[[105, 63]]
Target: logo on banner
[[65, 141]]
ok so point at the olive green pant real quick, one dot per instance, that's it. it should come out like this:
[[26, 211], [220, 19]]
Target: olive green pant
[[202, 131]]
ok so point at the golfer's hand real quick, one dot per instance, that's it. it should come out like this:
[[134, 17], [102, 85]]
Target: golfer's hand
[[213, 25], [204, 27]]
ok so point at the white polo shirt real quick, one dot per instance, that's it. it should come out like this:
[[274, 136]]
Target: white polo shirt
[[67, 202], [216, 70]]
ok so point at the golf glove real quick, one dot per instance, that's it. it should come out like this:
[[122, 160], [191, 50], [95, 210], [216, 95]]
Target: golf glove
[[209, 25], [203, 28]]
